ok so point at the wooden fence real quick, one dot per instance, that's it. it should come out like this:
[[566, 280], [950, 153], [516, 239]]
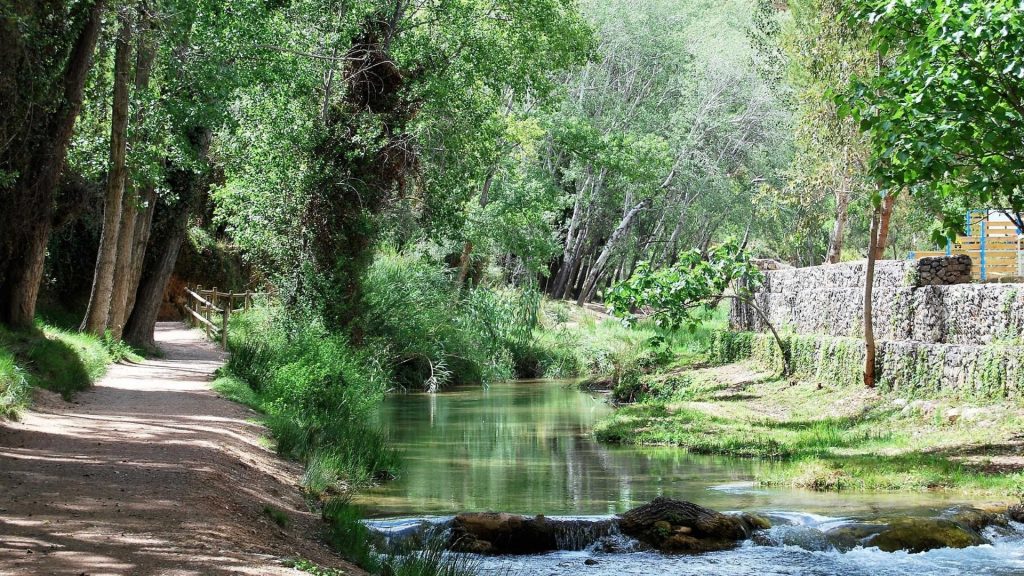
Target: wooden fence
[[211, 310], [995, 249]]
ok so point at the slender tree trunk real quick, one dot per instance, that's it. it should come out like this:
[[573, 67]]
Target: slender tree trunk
[[143, 227], [169, 228], [883, 229], [609, 247], [835, 244], [139, 329], [467, 249], [29, 219], [869, 285], [562, 278], [97, 315], [131, 237]]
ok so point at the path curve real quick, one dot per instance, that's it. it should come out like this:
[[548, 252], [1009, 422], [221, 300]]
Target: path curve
[[150, 472]]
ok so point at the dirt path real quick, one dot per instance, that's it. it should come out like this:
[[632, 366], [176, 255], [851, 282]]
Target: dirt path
[[150, 472]]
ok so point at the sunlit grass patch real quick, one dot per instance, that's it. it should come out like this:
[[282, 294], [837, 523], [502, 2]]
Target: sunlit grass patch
[[56, 359], [908, 472]]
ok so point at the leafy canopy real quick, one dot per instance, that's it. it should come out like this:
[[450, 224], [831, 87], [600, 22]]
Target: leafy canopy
[[683, 294], [946, 113]]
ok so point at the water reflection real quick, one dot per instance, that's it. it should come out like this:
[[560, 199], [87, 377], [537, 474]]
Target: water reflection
[[526, 447]]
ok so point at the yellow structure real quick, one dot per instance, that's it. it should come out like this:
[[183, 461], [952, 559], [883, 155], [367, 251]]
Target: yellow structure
[[994, 243]]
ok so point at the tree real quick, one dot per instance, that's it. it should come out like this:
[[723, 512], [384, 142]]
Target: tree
[[830, 164], [869, 287], [44, 77], [400, 143], [947, 113], [97, 315]]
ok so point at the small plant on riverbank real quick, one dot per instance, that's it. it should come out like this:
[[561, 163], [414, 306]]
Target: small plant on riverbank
[[348, 535]]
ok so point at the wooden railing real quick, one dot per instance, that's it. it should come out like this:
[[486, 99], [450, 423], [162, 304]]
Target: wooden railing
[[211, 310]]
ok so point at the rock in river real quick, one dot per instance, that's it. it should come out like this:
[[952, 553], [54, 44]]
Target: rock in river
[[677, 526], [923, 534]]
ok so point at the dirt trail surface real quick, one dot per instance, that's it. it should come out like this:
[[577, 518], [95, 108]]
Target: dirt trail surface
[[150, 472]]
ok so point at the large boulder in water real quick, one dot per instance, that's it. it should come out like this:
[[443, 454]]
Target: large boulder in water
[[499, 533], [849, 536], [677, 526], [495, 533], [922, 534]]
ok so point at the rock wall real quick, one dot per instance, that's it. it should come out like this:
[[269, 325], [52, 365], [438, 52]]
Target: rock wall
[[910, 303], [935, 332], [911, 368]]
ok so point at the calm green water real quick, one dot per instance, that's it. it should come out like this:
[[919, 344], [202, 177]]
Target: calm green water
[[526, 447]]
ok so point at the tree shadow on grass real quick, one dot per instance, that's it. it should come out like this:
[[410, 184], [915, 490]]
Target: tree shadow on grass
[[50, 363]]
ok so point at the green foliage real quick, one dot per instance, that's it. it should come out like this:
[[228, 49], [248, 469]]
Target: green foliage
[[348, 535], [276, 516], [432, 334], [317, 394], [945, 116], [62, 361], [14, 388], [685, 293]]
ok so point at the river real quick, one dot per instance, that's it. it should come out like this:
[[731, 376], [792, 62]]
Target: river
[[526, 447]]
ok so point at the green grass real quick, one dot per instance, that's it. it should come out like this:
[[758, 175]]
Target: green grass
[[815, 436], [14, 388], [56, 359], [907, 472], [316, 394], [348, 535], [276, 516]]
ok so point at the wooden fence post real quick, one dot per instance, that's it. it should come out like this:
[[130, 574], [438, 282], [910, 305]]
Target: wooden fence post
[[226, 313]]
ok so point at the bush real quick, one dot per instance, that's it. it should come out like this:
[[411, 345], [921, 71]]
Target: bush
[[317, 392], [435, 334], [13, 386]]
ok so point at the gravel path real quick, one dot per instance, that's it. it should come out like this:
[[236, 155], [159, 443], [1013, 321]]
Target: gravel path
[[150, 472]]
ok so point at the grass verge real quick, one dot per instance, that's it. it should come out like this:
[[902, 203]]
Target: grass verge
[[56, 359], [825, 437]]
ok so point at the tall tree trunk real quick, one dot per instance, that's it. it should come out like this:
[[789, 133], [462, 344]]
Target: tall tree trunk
[[568, 262], [139, 329], [170, 225], [97, 315], [883, 228], [835, 243], [869, 285], [25, 230], [131, 237], [609, 247]]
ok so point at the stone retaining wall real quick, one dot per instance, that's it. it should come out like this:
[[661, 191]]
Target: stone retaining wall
[[934, 331], [909, 368], [908, 303]]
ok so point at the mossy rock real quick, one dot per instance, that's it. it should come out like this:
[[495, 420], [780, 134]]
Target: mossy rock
[[922, 534], [849, 536], [675, 526], [978, 520], [1016, 512]]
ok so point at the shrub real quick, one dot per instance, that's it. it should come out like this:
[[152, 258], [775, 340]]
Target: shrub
[[317, 393], [13, 386], [434, 334]]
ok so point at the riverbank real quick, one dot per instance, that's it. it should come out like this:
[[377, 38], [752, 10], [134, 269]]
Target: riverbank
[[822, 436]]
